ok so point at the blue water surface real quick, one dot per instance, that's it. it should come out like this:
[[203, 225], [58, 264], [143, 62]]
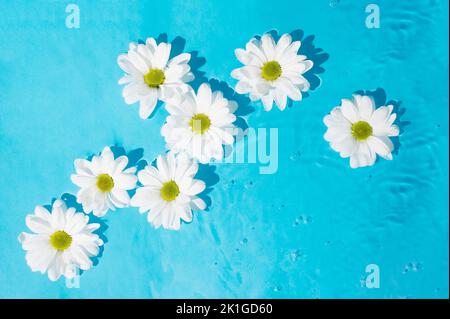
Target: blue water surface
[[307, 231]]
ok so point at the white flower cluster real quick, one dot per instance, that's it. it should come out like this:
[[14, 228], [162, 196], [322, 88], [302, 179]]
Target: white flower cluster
[[198, 126]]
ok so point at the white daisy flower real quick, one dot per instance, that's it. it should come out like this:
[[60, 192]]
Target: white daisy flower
[[357, 130], [104, 182], [169, 191], [272, 72], [62, 240], [150, 75], [200, 124]]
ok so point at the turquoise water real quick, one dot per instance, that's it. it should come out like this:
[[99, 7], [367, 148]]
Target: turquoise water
[[307, 231]]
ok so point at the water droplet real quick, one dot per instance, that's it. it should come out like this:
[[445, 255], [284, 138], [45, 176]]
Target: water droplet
[[416, 266], [334, 3], [295, 156], [362, 282], [277, 288], [412, 266], [244, 241], [302, 219], [250, 184], [298, 221], [294, 255], [230, 184]]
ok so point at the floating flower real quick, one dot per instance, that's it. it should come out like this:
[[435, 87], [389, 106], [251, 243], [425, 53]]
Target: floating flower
[[104, 182], [272, 71], [150, 75], [358, 131], [200, 124], [62, 240], [169, 191]]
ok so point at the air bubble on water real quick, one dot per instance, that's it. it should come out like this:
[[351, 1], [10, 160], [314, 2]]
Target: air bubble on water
[[295, 156], [362, 282], [295, 255], [334, 3], [416, 266], [412, 266], [250, 184], [302, 219], [230, 184]]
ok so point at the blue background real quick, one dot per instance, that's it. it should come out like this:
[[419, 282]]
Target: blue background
[[307, 231]]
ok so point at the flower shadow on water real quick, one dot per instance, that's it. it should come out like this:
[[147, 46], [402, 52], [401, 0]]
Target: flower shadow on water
[[207, 173], [380, 98], [317, 55]]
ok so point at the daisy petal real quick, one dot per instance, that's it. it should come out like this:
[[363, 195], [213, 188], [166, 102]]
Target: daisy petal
[[147, 105]]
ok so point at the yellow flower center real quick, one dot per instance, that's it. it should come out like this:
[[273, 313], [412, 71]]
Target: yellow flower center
[[154, 78], [60, 240], [169, 191], [361, 130], [271, 71], [200, 123], [105, 183]]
